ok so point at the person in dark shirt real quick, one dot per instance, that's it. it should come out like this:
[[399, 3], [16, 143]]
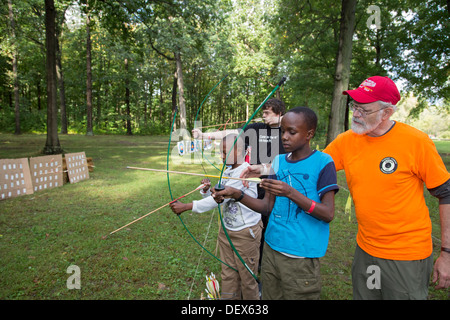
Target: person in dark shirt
[[262, 140]]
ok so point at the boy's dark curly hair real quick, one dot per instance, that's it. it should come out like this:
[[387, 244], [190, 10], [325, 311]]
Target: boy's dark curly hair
[[277, 106]]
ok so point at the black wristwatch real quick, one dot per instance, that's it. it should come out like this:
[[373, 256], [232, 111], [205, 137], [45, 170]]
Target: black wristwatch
[[240, 198]]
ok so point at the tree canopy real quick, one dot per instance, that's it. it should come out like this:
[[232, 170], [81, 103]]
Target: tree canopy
[[146, 57]]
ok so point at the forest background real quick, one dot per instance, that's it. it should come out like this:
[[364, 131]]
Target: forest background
[[121, 67], [105, 77]]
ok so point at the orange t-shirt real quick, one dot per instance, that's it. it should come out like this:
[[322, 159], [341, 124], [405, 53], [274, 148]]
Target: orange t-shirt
[[385, 176]]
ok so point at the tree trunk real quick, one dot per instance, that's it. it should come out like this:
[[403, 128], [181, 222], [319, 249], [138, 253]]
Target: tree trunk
[[38, 93], [102, 97], [174, 97], [52, 145], [148, 102], [161, 99], [127, 98], [182, 103], [14, 66], [89, 129], [342, 73], [62, 91]]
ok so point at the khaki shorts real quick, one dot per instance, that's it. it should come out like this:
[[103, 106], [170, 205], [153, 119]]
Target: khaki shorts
[[381, 279], [285, 278], [241, 284]]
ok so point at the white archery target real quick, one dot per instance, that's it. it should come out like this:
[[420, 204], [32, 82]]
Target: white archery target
[[15, 178], [46, 172], [77, 168]]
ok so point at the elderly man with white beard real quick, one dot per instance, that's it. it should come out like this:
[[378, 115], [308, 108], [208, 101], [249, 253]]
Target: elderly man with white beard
[[386, 164]]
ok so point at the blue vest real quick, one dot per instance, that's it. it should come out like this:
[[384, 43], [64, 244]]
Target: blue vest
[[290, 229]]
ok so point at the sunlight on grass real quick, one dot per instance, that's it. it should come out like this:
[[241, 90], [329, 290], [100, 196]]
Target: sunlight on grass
[[42, 234]]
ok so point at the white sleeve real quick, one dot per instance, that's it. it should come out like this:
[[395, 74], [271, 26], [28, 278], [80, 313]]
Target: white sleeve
[[205, 194], [206, 204]]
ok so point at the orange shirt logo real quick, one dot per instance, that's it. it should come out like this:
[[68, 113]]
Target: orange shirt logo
[[388, 165]]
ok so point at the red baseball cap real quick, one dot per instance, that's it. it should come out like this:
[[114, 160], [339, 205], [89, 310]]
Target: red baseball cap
[[375, 89]]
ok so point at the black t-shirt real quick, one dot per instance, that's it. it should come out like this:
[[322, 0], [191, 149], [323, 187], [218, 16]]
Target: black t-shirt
[[265, 142]]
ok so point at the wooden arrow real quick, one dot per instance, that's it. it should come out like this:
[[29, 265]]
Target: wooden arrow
[[256, 180], [201, 186]]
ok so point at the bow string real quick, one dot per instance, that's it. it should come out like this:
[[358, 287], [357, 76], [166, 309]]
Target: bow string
[[171, 196], [219, 185]]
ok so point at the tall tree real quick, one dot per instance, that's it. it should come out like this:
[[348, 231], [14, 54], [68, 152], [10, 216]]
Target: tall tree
[[127, 98], [62, 89], [306, 37], [89, 126], [176, 30], [180, 82], [14, 66], [341, 76], [253, 58], [52, 145], [420, 31], [59, 70]]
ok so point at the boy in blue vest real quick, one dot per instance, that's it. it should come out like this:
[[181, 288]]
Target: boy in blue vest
[[300, 200]]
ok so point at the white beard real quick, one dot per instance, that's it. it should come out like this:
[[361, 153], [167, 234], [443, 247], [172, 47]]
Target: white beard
[[362, 127]]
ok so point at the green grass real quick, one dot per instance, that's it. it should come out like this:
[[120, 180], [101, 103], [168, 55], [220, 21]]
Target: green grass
[[443, 146], [42, 234]]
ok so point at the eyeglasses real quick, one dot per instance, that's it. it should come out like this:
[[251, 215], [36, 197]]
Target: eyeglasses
[[362, 112]]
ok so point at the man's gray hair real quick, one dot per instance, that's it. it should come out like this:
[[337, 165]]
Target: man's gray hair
[[385, 105]]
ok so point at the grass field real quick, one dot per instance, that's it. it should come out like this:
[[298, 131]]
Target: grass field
[[42, 234]]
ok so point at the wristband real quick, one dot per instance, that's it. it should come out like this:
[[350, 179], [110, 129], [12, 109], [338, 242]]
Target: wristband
[[313, 205], [240, 198], [445, 249]]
